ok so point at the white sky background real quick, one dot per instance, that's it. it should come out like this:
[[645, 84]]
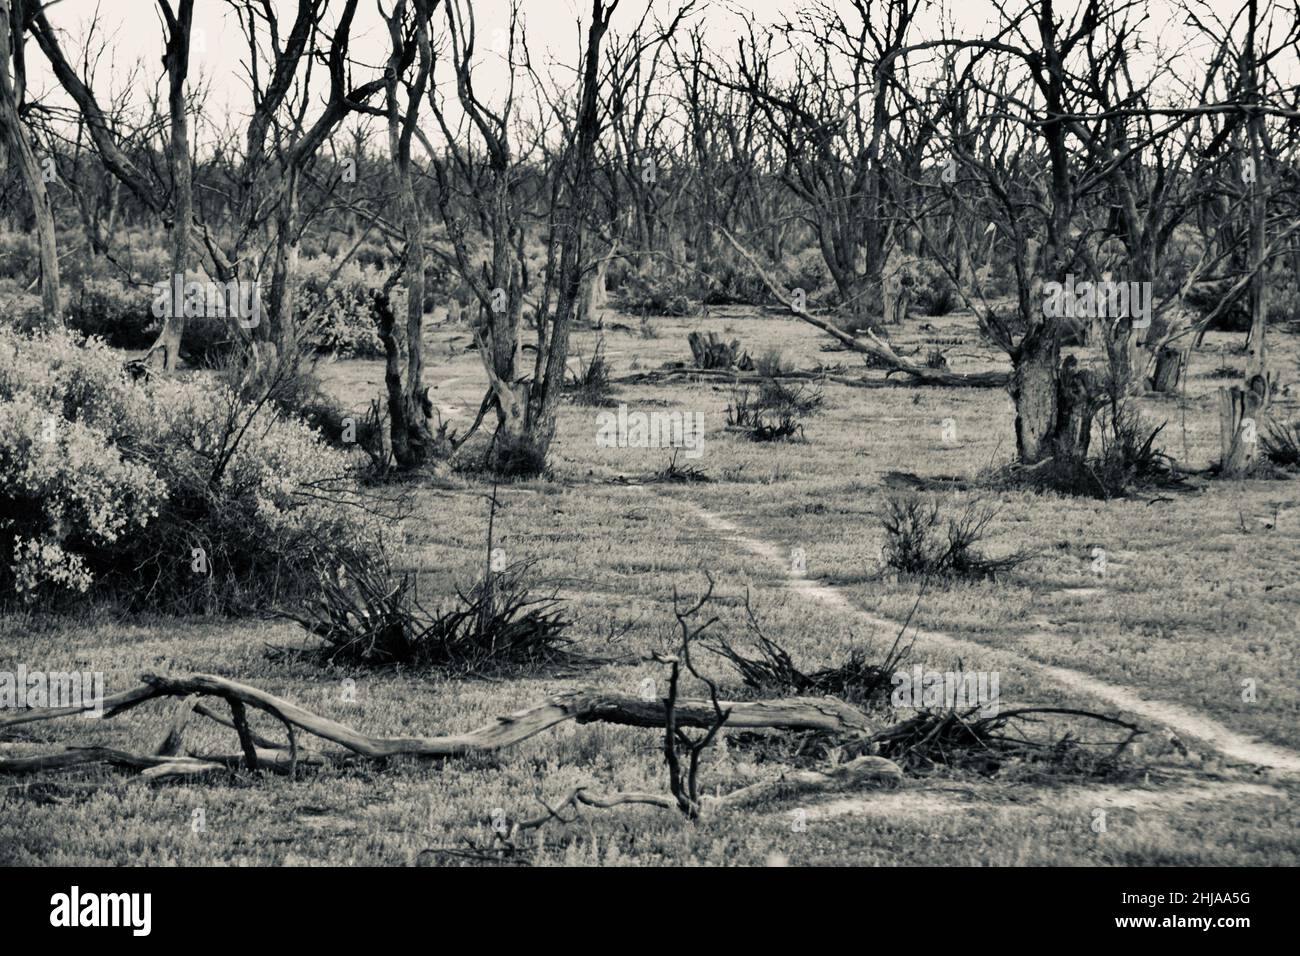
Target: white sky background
[[133, 30]]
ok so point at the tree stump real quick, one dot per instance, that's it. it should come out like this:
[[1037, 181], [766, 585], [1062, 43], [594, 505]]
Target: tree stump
[[1241, 418], [1170, 366]]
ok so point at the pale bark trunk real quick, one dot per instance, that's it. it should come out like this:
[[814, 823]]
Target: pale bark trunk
[[14, 133], [177, 61], [1241, 420]]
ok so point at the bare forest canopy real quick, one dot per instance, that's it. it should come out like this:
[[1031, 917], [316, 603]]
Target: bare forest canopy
[[502, 158]]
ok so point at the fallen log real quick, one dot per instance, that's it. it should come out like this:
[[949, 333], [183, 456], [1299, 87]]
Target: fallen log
[[873, 345], [749, 378], [81, 756], [583, 706]]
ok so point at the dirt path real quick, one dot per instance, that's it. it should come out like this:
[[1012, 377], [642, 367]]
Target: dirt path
[[1178, 719], [913, 804]]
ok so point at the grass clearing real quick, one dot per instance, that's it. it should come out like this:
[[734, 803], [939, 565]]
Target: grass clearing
[[1198, 592]]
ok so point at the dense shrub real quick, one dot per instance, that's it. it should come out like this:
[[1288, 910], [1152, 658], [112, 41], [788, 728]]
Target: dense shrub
[[122, 315], [655, 295], [336, 312], [19, 308], [734, 283], [112, 486], [935, 293], [809, 272], [18, 251]]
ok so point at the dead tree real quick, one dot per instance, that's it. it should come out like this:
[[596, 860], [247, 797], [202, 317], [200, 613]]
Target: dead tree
[[265, 186], [13, 130], [177, 63], [408, 409], [525, 406], [833, 129]]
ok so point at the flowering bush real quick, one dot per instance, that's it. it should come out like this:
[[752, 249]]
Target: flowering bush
[[67, 490], [175, 494], [337, 314]]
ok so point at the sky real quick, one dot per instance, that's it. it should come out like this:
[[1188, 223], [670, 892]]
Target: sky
[[133, 30]]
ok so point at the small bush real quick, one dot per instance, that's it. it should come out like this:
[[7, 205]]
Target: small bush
[[741, 410], [369, 616], [20, 309], [711, 352], [770, 363], [918, 541], [655, 295], [18, 252], [793, 398], [734, 283], [809, 272], [339, 310], [781, 428]]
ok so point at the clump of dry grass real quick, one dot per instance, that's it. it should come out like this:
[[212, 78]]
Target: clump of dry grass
[[773, 673], [673, 473], [742, 409], [590, 384], [795, 398], [1280, 443], [369, 616], [782, 427], [919, 541]]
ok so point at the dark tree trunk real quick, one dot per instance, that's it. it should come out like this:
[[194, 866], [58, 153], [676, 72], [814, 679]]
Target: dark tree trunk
[[1054, 400], [1168, 371]]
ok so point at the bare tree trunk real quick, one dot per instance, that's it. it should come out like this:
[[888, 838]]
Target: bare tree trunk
[[1240, 411], [574, 258], [407, 407], [282, 328], [1257, 351], [1054, 400], [14, 133], [591, 294], [177, 60], [1169, 370]]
